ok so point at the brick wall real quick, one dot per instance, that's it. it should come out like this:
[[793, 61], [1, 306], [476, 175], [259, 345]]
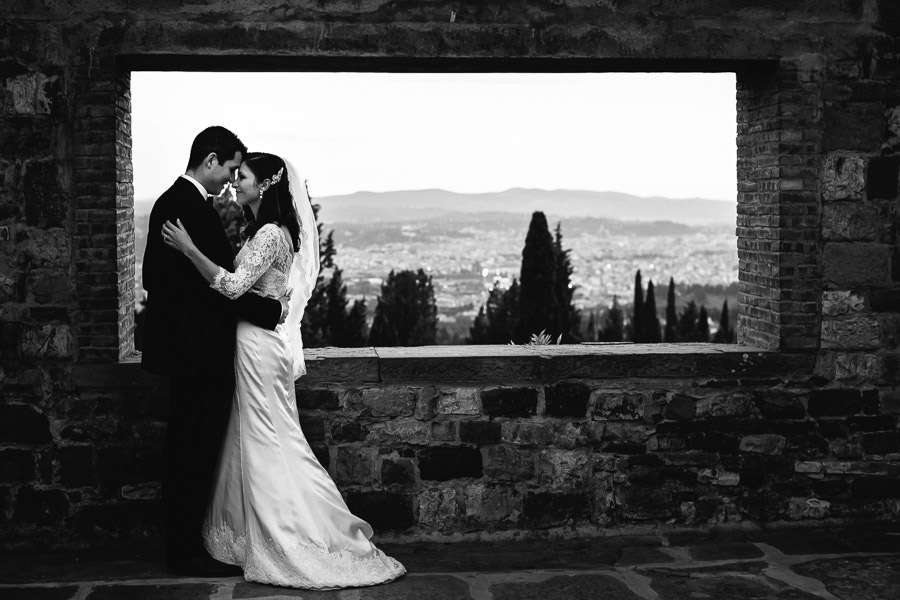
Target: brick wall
[[818, 135]]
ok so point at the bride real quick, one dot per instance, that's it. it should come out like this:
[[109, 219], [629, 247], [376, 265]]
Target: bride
[[275, 512]]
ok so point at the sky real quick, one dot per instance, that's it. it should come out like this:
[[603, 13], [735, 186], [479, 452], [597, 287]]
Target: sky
[[646, 134]]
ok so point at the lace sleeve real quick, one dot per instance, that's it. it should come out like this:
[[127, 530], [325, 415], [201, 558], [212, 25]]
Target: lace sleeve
[[258, 257]]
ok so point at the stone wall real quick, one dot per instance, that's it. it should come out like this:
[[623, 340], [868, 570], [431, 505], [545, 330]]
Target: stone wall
[[818, 134]]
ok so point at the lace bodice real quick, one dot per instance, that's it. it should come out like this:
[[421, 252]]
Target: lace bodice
[[262, 266]]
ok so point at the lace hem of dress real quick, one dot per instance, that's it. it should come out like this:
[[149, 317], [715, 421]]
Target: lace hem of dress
[[268, 563]]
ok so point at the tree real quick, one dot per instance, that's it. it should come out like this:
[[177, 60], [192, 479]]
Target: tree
[[569, 316], [335, 321], [356, 331], [538, 301], [724, 335], [703, 326], [591, 331], [497, 317], [613, 327], [406, 314], [637, 322], [687, 323], [651, 319], [671, 317]]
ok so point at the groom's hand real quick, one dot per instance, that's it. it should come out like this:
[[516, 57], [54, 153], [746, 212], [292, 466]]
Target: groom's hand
[[284, 306]]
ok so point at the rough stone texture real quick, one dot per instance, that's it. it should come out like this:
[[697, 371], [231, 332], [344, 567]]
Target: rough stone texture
[[667, 432]]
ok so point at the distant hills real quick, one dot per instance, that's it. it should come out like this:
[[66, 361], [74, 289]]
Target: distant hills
[[435, 204], [440, 205]]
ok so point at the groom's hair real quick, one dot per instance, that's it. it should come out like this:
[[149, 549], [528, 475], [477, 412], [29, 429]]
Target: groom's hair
[[215, 139]]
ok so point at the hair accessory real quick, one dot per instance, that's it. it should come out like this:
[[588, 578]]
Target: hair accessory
[[268, 182]]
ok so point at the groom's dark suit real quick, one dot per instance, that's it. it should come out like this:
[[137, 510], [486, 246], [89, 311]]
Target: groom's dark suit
[[190, 336]]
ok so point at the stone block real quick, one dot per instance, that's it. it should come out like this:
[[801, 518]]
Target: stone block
[[445, 431], [399, 472], [426, 402], [853, 126], [356, 465], [563, 469], [835, 402], [117, 466], [841, 303], [844, 177], [808, 508], [857, 366], [773, 404], [45, 249], [883, 177], [440, 508], [400, 431], [510, 402], [317, 399], [76, 466], [46, 201], [681, 408], [884, 300], [719, 477], [40, 507], [489, 504], [856, 264], [349, 431], [618, 405], [459, 401], [881, 442], [313, 429], [770, 443], [552, 508], [875, 487], [506, 463], [479, 432], [442, 463], [732, 404], [383, 510], [526, 433], [16, 465], [574, 435], [20, 424], [857, 332], [567, 399], [382, 402], [845, 222], [27, 94], [46, 341]]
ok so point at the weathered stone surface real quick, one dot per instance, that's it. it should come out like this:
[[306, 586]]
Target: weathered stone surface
[[398, 472], [382, 402], [835, 401], [356, 465], [16, 465], [840, 303], [859, 332], [439, 508], [509, 402], [479, 432], [26, 94], [618, 405], [312, 399], [41, 507], [858, 365], [548, 508], [493, 504], [563, 469], [445, 431], [395, 431], [733, 404], [382, 510], [528, 434], [883, 177], [22, 424], [681, 407], [855, 577], [856, 264], [808, 508], [851, 223], [46, 341], [718, 477], [577, 587], [508, 463], [76, 466], [459, 401], [844, 177]]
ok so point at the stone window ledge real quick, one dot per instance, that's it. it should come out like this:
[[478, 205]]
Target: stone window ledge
[[523, 363]]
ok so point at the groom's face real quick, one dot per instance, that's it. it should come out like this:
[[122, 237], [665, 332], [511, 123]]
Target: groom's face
[[223, 172]]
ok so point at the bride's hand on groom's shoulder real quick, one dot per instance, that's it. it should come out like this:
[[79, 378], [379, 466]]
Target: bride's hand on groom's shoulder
[[285, 307], [176, 236]]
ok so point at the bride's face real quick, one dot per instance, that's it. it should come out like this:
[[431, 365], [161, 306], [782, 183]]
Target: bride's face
[[246, 187]]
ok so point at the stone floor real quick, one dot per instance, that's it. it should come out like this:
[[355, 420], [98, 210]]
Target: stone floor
[[862, 563]]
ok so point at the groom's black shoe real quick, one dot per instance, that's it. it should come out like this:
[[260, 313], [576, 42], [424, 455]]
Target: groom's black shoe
[[203, 566]]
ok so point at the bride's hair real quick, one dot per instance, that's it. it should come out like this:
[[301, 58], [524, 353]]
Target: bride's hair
[[277, 203]]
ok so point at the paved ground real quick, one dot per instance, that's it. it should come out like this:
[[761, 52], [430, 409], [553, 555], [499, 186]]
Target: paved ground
[[862, 563]]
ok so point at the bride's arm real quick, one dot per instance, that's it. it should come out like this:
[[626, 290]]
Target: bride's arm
[[259, 257]]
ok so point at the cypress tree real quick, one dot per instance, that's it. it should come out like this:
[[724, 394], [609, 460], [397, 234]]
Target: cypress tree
[[703, 326], [496, 317], [651, 319], [687, 323], [538, 303], [591, 331], [671, 317], [356, 331], [723, 335], [637, 322], [406, 314], [335, 310], [569, 317], [613, 329], [478, 331]]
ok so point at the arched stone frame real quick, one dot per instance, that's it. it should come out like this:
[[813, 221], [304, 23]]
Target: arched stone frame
[[779, 111]]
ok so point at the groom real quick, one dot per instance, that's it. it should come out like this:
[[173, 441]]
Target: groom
[[189, 336]]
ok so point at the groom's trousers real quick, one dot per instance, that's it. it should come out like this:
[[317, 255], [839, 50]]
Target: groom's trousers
[[199, 408]]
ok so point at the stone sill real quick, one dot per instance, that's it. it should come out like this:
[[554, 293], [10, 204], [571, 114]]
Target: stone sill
[[525, 363]]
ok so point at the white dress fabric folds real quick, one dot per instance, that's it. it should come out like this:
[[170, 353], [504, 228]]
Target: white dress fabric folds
[[276, 512]]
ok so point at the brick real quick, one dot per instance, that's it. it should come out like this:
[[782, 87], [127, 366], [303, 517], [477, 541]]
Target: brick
[[506, 463], [479, 432], [567, 400], [509, 402]]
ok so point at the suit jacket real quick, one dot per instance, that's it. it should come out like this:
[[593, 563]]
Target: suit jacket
[[189, 326]]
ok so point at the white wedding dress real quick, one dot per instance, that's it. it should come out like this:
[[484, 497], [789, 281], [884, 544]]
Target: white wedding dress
[[275, 512]]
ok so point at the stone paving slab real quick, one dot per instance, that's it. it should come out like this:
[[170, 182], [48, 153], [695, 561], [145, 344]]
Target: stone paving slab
[[574, 587], [857, 578]]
